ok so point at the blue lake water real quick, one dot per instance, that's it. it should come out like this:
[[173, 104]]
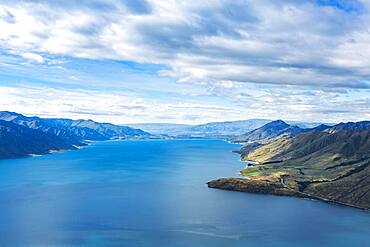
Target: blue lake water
[[153, 193]]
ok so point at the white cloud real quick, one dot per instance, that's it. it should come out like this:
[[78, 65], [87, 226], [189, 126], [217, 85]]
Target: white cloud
[[33, 57], [284, 42]]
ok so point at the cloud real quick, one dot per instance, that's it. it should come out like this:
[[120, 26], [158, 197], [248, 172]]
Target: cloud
[[6, 16], [270, 58], [116, 107], [264, 42], [121, 107], [33, 57]]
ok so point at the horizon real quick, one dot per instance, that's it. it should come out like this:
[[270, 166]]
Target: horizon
[[151, 61]]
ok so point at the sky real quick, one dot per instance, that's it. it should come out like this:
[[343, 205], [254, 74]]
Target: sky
[[173, 61]]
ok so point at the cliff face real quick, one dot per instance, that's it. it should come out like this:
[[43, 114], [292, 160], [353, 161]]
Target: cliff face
[[331, 163]]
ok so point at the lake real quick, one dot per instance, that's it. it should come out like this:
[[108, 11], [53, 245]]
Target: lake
[[154, 193]]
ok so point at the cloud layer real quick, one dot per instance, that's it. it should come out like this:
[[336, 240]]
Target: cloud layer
[[118, 107], [285, 42], [298, 54], [105, 106]]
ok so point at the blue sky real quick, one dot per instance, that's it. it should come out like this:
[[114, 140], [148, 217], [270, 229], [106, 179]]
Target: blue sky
[[126, 61]]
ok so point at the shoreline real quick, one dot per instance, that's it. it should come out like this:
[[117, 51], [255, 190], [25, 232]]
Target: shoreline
[[51, 151], [269, 188], [89, 142], [248, 185]]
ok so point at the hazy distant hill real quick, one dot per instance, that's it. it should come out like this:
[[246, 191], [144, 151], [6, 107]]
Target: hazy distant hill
[[208, 130], [17, 140], [329, 163], [162, 128], [228, 129]]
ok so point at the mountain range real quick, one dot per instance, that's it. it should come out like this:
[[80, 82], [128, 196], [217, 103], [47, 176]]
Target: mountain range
[[224, 130], [23, 135]]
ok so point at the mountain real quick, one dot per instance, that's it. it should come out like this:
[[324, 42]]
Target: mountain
[[271, 130], [21, 135], [342, 141], [17, 140], [162, 128], [74, 131], [326, 163], [308, 125], [103, 131], [229, 128], [208, 130], [224, 130], [42, 125], [320, 127]]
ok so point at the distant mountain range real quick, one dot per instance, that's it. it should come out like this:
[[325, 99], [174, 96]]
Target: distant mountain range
[[227, 129], [330, 163], [23, 135], [168, 129]]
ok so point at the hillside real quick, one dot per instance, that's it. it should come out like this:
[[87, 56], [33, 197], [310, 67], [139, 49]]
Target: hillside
[[331, 163], [162, 128], [16, 141]]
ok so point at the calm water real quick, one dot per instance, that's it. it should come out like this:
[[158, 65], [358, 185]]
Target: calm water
[[153, 193]]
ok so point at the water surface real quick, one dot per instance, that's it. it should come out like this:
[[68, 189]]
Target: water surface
[[153, 193]]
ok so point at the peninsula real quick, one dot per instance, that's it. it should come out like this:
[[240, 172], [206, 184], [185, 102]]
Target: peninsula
[[331, 164]]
